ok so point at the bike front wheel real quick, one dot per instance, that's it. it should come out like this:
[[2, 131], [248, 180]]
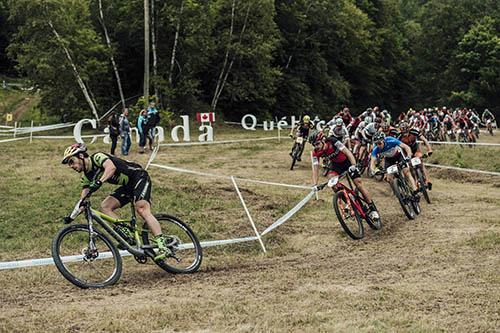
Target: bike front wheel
[[348, 216], [87, 261], [186, 250], [402, 192]]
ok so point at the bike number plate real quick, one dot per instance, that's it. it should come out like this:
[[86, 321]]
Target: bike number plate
[[415, 161], [392, 169], [333, 181], [299, 139]]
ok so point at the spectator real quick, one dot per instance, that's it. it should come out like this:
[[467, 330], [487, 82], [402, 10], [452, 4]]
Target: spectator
[[125, 132], [142, 128], [114, 131], [153, 118]]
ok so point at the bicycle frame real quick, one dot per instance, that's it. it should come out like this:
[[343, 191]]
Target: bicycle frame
[[105, 222], [348, 190]]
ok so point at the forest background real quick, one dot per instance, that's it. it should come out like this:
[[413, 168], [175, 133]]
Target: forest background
[[268, 58]]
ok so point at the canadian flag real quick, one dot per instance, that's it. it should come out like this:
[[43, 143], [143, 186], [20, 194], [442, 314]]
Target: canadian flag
[[208, 117]]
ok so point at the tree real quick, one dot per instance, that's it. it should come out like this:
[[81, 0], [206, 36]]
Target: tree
[[44, 58]]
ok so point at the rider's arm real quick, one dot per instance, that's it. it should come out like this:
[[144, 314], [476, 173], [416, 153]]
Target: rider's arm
[[315, 167], [85, 191], [426, 142], [109, 170], [406, 148], [349, 155]]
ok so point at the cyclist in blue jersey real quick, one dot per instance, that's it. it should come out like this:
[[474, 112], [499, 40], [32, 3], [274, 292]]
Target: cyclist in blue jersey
[[392, 150]]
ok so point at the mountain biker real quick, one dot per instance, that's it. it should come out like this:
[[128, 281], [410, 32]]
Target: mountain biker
[[410, 137], [360, 146], [338, 160], [488, 119], [391, 149], [339, 131], [134, 182], [302, 130]]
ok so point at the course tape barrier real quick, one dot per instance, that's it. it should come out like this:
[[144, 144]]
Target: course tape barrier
[[15, 139], [462, 169], [215, 142], [25, 130], [105, 255], [199, 173], [292, 212], [463, 143]]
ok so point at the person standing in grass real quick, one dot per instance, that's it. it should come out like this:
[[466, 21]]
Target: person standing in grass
[[114, 131], [142, 129], [125, 132]]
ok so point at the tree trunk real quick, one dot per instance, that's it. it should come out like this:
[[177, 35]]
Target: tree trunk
[[77, 75], [153, 45], [112, 58], [174, 48], [232, 59], [146, 50], [221, 75]]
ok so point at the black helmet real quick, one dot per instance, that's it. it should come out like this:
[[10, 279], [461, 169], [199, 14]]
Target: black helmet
[[379, 136], [315, 136]]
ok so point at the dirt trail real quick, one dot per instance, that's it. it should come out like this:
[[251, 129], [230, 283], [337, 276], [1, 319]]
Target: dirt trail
[[436, 273]]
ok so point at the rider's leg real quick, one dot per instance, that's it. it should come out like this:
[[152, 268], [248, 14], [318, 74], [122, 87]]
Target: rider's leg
[[409, 177], [143, 208], [363, 190], [109, 205]]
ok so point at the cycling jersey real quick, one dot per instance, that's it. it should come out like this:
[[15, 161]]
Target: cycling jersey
[[331, 151], [391, 148], [303, 129], [336, 162], [134, 180], [410, 138]]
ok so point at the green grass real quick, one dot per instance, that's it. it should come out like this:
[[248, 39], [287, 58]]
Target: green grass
[[481, 158]]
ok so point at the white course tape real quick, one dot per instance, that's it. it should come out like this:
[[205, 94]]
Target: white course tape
[[292, 211], [215, 142], [464, 143], [462, 169], [15, 139], [227, 177], [66, 136], [105, 255]]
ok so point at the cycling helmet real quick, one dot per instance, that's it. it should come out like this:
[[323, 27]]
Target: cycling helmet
[[339, 122], [315, 136], [379, 136], [306, 119], [403, 125], [368, 119], [385, 125], [73, 150]]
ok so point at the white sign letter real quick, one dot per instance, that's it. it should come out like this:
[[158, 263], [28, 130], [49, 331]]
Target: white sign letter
[[77, 130], [244, 123], [184, 127], [208, 136]]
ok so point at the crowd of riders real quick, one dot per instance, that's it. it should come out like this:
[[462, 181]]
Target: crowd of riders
[[374, 140]]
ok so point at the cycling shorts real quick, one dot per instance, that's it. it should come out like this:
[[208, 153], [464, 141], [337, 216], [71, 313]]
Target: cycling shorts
[[393, 160], [138, 188], [340, 168]]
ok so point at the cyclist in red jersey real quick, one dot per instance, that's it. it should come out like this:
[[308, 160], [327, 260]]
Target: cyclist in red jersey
[[338, 160], [410, 137], [389, 130]]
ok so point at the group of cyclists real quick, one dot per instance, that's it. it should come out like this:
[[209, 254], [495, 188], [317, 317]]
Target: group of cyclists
[[374, 141]]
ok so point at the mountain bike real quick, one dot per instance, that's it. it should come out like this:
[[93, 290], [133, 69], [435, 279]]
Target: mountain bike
[[402, 190], [350, 207], [88, 258], [416, 168], [297, 148]]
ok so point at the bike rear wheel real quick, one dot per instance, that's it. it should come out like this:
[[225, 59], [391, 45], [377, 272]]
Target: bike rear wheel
[[295, 154], [186, 249], [348, 216], [84, 265], [423, 185], [402, 193]]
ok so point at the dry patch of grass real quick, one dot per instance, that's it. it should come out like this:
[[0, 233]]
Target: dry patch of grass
[[436, 273]]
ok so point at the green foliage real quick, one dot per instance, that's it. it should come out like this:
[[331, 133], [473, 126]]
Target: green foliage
[[302, 56]]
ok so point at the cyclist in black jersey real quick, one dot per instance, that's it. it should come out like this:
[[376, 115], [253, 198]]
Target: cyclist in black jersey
[[134, 182]]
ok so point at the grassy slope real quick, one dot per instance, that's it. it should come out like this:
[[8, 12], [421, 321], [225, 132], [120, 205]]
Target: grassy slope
[[436, 273]]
